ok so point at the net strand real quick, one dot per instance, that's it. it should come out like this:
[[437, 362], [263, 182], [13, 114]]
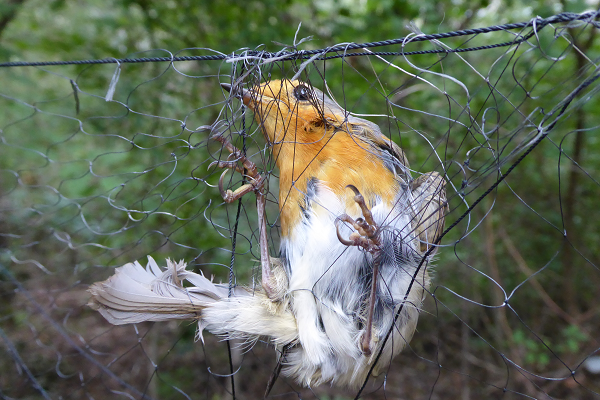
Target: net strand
[[538, 23]]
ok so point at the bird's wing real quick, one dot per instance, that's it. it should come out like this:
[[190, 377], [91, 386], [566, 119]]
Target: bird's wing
[[369, 132], [386, 144], [429, 206], [389, 151]]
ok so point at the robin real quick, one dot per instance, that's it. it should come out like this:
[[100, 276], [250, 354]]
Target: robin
[[350, 279]]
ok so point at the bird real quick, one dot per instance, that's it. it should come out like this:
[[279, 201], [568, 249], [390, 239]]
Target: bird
[[358, 238]]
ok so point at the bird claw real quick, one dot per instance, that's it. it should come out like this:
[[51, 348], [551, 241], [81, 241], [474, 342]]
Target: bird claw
[[358, 238], [255, 185], [231, 196], [367, 237], [231, 164], [368, 222], [249, 170]]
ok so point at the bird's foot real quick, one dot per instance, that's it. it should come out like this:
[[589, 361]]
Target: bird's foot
[[271, 283], [367, 237], [366, 234], [249, 170]]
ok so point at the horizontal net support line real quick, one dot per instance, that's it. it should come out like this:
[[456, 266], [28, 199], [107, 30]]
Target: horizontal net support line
[[538, 23]]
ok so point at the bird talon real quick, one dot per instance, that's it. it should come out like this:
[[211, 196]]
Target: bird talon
[[360, 200], [339, 235], [235, 156], [249, 170], [354, 189], [224, 193], [366, 228], [231, 196], [365, 236]]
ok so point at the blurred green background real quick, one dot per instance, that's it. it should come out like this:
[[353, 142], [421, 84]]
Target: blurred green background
[[87, 185]]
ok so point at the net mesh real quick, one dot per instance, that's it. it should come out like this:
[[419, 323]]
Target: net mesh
[[106, 164]]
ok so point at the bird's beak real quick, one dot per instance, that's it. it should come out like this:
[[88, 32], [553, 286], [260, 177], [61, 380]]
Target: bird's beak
[[245, 95]]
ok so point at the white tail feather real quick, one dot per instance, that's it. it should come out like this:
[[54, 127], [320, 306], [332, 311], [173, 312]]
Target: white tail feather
[[136, 294]]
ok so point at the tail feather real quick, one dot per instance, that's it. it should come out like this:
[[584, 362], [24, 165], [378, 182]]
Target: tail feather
[[251, 317], [135, 294]]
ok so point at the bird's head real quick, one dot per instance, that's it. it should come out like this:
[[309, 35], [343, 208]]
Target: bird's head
[[293, 111]]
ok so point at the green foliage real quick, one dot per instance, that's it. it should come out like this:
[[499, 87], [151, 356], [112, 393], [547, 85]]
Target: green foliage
[[538, 351], [535, 351]]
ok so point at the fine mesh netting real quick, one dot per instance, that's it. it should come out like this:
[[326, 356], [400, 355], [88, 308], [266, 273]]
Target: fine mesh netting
[[105, 164]]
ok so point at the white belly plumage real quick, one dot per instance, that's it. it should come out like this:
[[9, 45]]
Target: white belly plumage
[[329, 285]]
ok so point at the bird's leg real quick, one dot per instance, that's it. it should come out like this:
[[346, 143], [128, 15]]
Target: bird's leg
[[365, 340], [268, 281], [256, 185], [249, 170], [367, 237]]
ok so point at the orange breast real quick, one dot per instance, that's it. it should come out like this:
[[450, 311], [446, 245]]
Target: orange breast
[[336, 159]]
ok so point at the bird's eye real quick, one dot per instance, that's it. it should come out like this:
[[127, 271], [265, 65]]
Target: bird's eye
[[302, 93]]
